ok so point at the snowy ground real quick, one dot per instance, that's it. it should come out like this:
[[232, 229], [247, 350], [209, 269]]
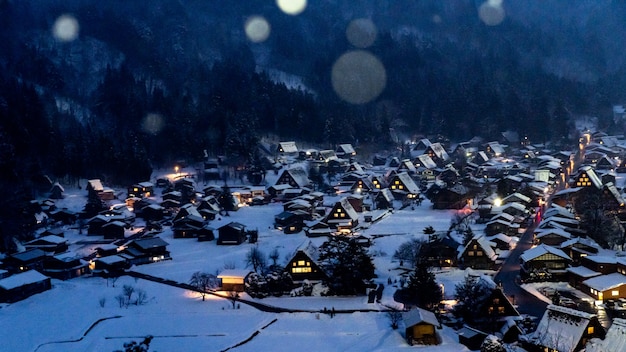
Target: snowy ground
[[60, 319]]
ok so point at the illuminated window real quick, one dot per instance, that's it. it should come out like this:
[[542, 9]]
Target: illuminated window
[[397, 182], [338, 210], [300, 262], [470, 253], [615, 293], [475, 246], [479, 253], [501, 310], [301, 270], [590, 330]]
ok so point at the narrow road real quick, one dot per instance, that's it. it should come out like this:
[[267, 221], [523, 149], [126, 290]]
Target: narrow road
[[508, 276]]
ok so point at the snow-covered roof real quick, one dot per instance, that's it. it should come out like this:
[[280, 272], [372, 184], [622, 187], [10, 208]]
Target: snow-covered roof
[[552, 231], [614, 340], [234, 273], [418, 315], [21, 279], [112, 259], [561, 328], [541, 250], [582, 271], [50, 239], [606, 282]]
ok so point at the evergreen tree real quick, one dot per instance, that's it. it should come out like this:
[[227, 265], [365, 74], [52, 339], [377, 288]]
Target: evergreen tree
[[472, 295], [347, 264], [422, 287]]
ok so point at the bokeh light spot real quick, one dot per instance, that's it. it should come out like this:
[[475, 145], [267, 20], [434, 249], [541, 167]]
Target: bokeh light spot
[[65, 28], [358, 77], [257, 29], [491, 12], [361, 33], [153, 123], [291, 7]]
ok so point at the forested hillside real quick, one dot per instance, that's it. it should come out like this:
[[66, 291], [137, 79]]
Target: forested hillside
[[145, 84]]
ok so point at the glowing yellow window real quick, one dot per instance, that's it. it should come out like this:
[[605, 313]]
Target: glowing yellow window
[[590, 330], [300, 262], [615, 293]]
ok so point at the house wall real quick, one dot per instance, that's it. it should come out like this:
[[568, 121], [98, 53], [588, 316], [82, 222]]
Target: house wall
[[301, 267]]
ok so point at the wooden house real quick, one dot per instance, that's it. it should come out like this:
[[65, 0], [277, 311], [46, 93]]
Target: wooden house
[[48, 244], [407, 166], [113, 230], [303, 264], [551, 236], [56, 192], [454, 197], [613, 341], [478, 254], [586, 177], [438, 154], [579, 247], [342, 215], [153, 212], [31, 259], [421, 327], [403, 187], [289, 222], [287, 148], [602, 264], [23, 285], [440, 251], [318, 229], [384, 199], [188, 227], [95, 224], [501, 226], [544, 263], [146, 250], [141, 190], [65, 266], [345, 151], [565, 330], [605, 287], [577, 274], [113, 265], [64, 216], [231, 233], [295, 178]]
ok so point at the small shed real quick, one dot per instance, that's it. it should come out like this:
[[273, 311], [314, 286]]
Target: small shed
[[421, 327], [233, 279], [470, 337]]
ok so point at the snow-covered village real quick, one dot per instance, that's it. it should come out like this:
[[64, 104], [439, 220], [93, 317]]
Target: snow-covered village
[[397, 251], [328, 175]]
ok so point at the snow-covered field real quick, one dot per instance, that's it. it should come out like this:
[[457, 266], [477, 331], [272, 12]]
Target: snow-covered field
[[70, 317]]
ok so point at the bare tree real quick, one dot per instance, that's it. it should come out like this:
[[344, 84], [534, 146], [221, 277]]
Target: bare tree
[[121, 300], [395, 316], [203, 282], [256, 259], [128, 291], [142, 297], [274, 255]]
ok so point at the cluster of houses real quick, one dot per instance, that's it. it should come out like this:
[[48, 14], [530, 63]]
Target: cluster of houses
[[506, 188]]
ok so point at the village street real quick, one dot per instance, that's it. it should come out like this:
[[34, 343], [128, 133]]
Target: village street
[[508, 276]]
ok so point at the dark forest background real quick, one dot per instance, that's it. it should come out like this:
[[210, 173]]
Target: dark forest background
[[146, 84]]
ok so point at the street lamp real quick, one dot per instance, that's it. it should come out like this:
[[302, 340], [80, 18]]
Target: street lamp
[[176, 169]]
